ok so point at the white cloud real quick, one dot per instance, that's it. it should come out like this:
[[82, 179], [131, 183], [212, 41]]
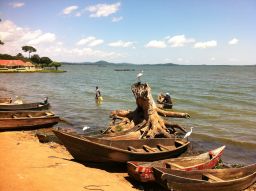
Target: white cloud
[[69, 10], [90, 41], [233, 41], [179, 40], [207, 44], [14, 37], [117, 19], [121, 43], [213, 59], [155, 44], [78, 14], [179, 59], [103, 10], [234, 60], [44, 38], [17, 4]]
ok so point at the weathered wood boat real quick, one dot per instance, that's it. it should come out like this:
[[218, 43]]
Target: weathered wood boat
[[143, 171], [24, 106], [5, 100], [93, 149], [22, 120], [234, 179]]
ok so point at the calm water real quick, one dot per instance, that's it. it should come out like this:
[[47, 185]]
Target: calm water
[[220, 99]]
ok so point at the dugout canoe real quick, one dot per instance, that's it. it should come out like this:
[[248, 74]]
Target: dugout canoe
[[143, 171], [93, 149], [228, 179], [24, 106], [22, 120]]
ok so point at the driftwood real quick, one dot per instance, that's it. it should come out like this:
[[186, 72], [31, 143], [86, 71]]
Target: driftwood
[[145, 118]]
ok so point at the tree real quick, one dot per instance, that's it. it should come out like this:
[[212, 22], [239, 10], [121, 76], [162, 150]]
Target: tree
[[19, 55], [145, 121], [45, 61], [28, 49], [55, 64], [35, 58]]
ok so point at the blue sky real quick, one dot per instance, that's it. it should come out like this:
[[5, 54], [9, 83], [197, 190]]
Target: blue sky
[[142, 32]]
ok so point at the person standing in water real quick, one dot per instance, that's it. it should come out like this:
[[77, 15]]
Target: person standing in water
[[98, 94]]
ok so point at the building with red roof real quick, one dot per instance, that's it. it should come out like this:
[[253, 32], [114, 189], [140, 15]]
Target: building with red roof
[[16, 64]]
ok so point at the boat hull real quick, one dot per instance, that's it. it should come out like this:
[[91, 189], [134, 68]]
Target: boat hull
[[25, 106], [143, 171], [22, 120], [85, 149], [234, 179]]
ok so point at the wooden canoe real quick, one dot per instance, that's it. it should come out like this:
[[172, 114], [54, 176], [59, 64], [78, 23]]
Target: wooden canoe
[[24, 106], [5, 100], [22, 120], [143, 171], [106, 150], [229, 179]]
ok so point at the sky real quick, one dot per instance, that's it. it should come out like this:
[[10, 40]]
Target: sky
[[211, 32]]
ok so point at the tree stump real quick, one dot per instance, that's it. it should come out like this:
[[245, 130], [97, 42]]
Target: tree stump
[[145, 121]]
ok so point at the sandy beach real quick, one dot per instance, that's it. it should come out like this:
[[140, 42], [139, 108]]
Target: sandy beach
[[26, 164]]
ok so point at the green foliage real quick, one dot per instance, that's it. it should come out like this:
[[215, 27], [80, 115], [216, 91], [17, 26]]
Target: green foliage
[[55, 64], [10, 57], [19, 55], [45, 61], [35, 59], [28, 49]]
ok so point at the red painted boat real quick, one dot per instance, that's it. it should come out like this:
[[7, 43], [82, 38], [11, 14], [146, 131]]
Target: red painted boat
[[143, 171]]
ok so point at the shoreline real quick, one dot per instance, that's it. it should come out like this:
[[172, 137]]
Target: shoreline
[[27, 163]]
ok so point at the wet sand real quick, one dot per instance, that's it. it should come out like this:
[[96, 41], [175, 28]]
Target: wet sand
[[29, 165]]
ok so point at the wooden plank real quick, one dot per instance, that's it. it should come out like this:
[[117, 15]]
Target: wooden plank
[[162, 147], [212, 177], [130, 148], [30, 116], [180, 142], [14, 116], [170, 165], [147, 148]]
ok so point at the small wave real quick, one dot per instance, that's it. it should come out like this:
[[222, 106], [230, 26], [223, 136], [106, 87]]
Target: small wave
[[245, 144]]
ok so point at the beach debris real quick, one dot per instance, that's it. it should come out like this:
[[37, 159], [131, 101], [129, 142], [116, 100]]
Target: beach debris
[[146, 118]]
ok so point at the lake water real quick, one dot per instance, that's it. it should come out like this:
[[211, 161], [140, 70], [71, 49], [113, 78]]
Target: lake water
[[220, 99]]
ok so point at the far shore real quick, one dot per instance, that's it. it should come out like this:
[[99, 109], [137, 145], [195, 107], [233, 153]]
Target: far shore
[[32, 71]]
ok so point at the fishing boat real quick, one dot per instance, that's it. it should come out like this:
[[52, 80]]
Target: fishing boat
[[229, 179], [143, 171], [22, 120], [24, 106], [93, 149], [5, 100]]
